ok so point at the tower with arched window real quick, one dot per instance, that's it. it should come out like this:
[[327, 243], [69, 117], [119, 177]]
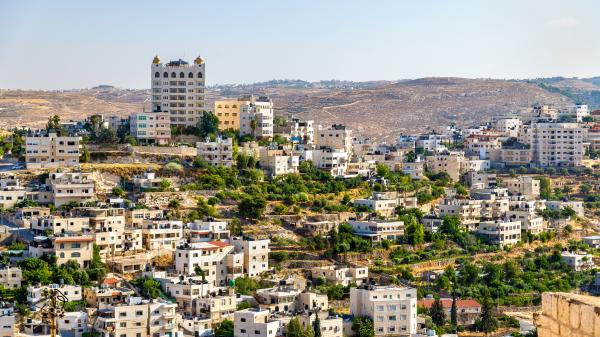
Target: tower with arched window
[[178, 89]]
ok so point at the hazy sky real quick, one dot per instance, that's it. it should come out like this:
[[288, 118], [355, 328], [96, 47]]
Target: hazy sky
[[77, 44]]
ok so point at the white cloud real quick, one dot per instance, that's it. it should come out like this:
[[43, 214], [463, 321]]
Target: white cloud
[[564, 22]]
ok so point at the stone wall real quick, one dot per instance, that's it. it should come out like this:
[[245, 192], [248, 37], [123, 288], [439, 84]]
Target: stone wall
[[568, 315]]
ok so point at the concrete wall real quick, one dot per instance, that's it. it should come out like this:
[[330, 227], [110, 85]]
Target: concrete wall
[[566, 315]]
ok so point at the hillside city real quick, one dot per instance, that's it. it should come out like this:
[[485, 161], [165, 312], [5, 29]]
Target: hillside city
[[229, 220]]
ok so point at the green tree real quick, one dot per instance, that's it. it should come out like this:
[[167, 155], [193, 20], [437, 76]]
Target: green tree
[[363, 327], [224, 329], [437, 313], [165, 185], [295, 329], [454, 312], [486, 322], [415, 233], [317, 325], [85, 155], [450, 225], [118, 191], [200, 272], [208, 124], [35, 270], [382, 170], [252, 207]]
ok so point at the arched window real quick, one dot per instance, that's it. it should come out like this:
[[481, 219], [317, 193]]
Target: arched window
[[173, 75], [199, 75], [157, 74], [226, 106], [191, 75], [219, 106], [234, 106], [181, 75], [166, 75]]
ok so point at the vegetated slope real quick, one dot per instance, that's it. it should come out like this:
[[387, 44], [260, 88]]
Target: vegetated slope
[[379, 109], [384, 111], [580, 90]]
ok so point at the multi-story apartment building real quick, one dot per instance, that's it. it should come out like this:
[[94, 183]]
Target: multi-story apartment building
[[255, 322], [178, 89], [525, 186], [35, 294], [48, 150], [378, 230], [93, 296], [278, 161], [577, 206], [393, 309], [204, 231], [301, 131], [557, 144], [10, 277], [138, 318], [67, 187], [73, 247], [162, 235], [256, 254], [508, 127], [228, 112], [341, 275], [333, 161], [256, 118], [530, 221], [289, 300], [55, 224], [501, 232], [469, 211], [383, 204], [8, 324], [516, 155], [136, 217], [211, 257], [150, 127], [336, 137], [73, 324], [215, 308], [449, 162], [216, 153]]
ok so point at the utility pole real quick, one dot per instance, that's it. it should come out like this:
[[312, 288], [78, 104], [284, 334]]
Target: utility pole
[[53, 310]]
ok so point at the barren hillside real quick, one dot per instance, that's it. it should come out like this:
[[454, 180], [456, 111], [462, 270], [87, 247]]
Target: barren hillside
[[378, 109]]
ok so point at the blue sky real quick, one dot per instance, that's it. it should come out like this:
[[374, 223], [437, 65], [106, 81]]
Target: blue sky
[[78, 44]]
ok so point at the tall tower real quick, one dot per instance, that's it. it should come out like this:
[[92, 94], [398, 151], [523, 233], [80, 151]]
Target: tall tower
[[178, 89]]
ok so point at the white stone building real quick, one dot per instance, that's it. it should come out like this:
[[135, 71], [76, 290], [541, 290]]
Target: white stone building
[[256, 118], [393, 309], [178, 89], [48, 150], [216, 153], [501, 232]]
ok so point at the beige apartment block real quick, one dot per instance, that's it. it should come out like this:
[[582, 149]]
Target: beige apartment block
[[10, 277], [228, 113], [449, 162], [336, 136], [255, 322], [558, 144], [78, 248], [331, 326], [138, 319], [528, 187], [256, 255], [178, 90], [567, 315], [150, 127], [67, 187], [216, 153], [48, 150]]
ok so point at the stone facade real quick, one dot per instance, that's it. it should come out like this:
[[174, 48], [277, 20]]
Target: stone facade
[[565, 315]]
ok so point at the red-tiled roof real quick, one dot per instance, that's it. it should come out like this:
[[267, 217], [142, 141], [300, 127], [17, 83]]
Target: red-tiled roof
[[447, 303], [110, 280], [219, 244], [595, 113]]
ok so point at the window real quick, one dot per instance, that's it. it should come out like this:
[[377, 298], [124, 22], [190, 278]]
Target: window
[[199, 75], [157, 74], [75, 254], [191, 75], [173, 75], [181, 75], [76, 245]]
